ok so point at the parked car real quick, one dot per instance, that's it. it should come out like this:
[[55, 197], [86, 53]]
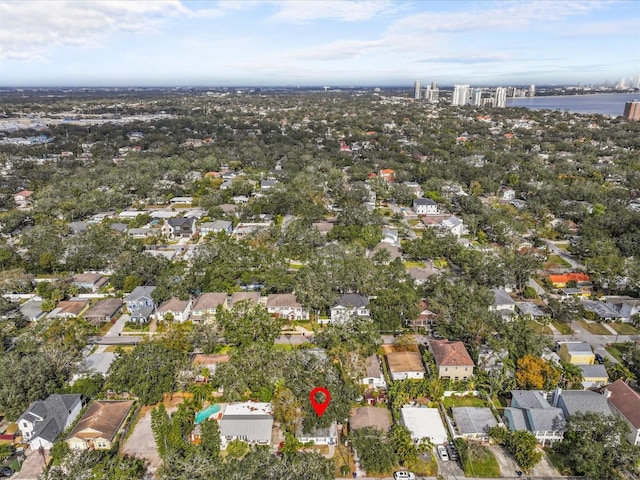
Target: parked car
[[599, 358], [404, 475], [452, 451], [444, 456], [6, 472]]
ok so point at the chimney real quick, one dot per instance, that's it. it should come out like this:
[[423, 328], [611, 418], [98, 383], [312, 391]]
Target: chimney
[[556, 396]]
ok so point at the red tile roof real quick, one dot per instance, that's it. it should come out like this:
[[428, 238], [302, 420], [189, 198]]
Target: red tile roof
[[625, 400], [450, 353]]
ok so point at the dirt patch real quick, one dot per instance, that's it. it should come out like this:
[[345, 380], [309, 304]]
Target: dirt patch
[[141, 443]]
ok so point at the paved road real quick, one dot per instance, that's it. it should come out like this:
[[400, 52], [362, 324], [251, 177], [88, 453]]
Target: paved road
[[597, 341], [562, 254], [124, 340]]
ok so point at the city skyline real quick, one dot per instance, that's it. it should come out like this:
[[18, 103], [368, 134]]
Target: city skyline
[[337, 43]]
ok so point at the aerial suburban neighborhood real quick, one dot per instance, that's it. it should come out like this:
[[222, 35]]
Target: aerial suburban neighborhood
[[181, 270]]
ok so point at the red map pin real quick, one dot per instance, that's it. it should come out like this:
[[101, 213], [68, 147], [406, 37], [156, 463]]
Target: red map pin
[[320, 407]]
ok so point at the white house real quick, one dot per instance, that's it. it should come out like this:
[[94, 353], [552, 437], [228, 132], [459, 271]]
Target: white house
[[285, 305], [425, 206], [180, 309], [44, 420], [503, 303], [374, 378], [215, 227], [320, 436], [250, 422], [424, 423], [348, 306]]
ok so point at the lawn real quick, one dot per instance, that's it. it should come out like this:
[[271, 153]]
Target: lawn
[[424, 468], [481, 463], [624, 328], [540, 328], [594, 328], [440, 263], [563, 246], [563, 328], [618, 349], [115, 348], [464, 402], [555, 261], [411, 264], [342, 457]]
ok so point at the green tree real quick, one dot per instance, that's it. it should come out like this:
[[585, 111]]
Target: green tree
[[148, 372], [523, 446], [237, 449], [594, 446], [375, 450], [210, 437], [245, 325]]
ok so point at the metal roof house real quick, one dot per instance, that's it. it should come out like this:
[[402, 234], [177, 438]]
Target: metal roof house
[[250, 422]]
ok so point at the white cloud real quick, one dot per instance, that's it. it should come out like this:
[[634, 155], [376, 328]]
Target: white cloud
[[29, 28], [338, 50], [341, 10], [510, 16]]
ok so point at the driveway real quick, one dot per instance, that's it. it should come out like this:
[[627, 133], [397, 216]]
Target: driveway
[[508, 466], [141, 444], [32, 466]]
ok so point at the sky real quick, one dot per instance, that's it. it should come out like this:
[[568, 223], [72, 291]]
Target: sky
[[314, 43]]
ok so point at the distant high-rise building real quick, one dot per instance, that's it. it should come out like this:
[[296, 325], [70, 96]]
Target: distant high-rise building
[[632, 110], [434, 85], [460, 95], [432, 95], [477, 97], [532, 91], [500, 100], [417, 90]]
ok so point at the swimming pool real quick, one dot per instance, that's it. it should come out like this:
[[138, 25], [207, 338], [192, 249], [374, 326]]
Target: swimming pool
[[202, 415]]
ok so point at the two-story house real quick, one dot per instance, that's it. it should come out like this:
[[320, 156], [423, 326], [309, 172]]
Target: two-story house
[[175, 228], [44, 420], [178, 309], [141, 304], [285, 305], [350, 305], [452, 359], [425, 206], [207, 305], [531, 411]]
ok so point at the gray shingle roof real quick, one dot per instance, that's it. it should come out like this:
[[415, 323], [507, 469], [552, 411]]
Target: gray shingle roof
[[472, 420], [583, 401]]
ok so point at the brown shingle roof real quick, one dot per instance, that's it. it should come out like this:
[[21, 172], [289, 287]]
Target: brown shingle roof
[[72, 307], [625, 400], [207, 301], [283, 300], [370, 417], [450, 353], [173, 305], [102, 419], [251, 297]]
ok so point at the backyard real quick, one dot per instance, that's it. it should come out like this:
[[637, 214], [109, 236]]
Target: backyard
[[469, 401]]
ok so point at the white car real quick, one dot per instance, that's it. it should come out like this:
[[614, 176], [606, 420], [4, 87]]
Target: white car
[[404, 476], [444, 456]]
